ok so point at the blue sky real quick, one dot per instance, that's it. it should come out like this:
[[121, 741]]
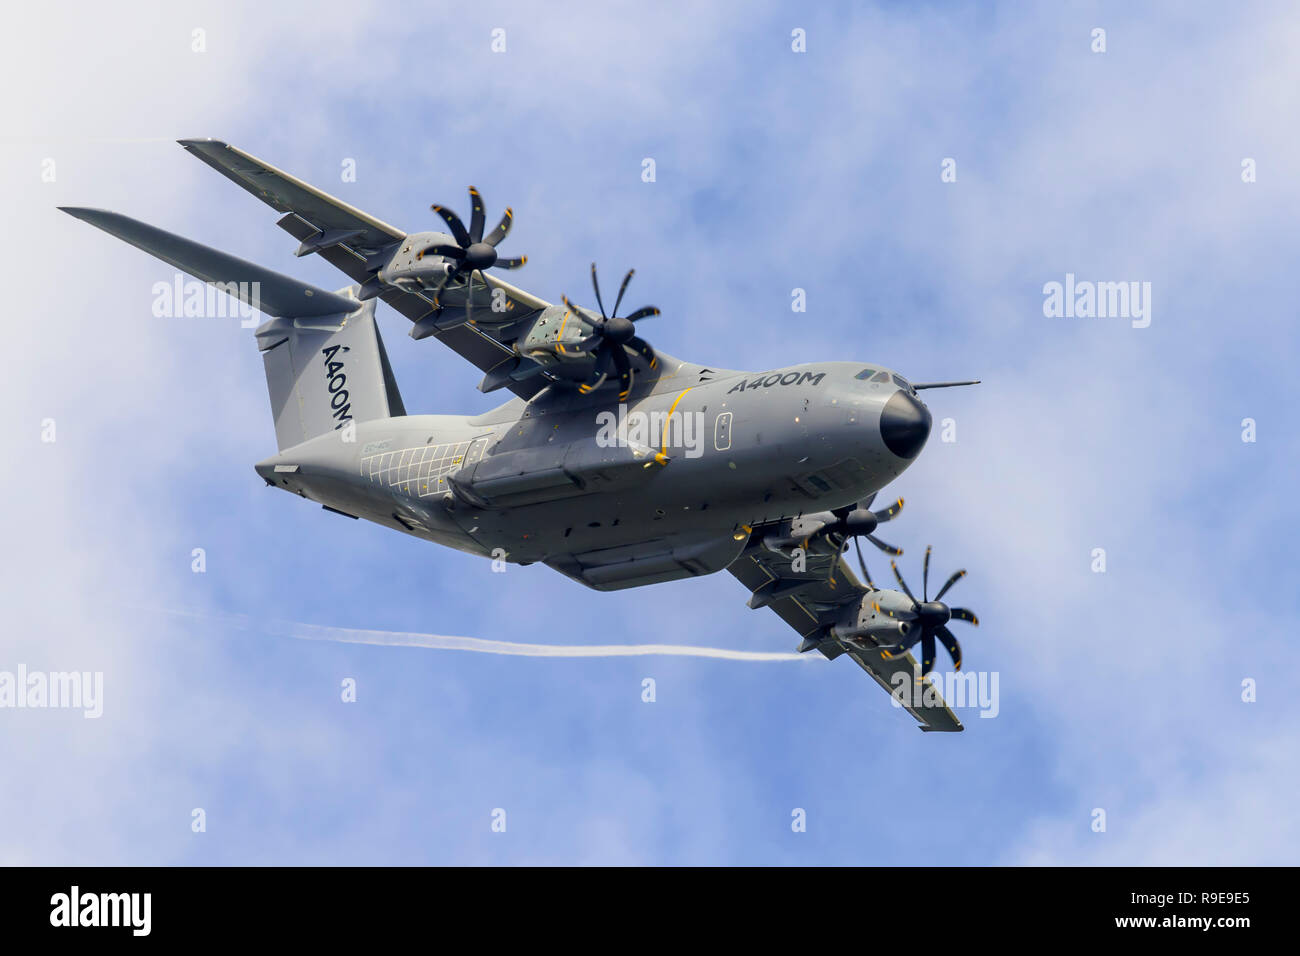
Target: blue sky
[[775, 170]]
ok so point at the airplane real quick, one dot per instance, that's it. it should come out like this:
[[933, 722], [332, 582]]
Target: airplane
[[614, 463]]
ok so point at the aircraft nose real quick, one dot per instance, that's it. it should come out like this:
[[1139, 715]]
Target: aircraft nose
[[904, 425]]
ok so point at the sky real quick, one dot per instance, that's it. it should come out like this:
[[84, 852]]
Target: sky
[[1120, 691]]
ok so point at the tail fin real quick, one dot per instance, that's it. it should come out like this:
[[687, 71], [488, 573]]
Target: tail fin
[[324, 373], [325, 361]]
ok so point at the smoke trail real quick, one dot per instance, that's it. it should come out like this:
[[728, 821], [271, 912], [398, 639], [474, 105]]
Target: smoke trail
[[444, 642]]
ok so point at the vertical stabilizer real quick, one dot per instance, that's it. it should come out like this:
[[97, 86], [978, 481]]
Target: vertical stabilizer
[[325, 373]]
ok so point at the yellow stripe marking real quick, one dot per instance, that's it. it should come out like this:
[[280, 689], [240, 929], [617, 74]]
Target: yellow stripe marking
[[663, 447], [560, 334]]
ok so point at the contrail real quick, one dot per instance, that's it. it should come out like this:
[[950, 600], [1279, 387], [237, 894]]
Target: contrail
[[443, 642], [478, 645], [82, 140]]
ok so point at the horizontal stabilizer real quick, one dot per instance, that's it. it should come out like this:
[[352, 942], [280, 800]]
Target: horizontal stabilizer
[[274, 293]]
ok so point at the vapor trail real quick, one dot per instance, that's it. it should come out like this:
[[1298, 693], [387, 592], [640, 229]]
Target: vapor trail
[[443, 642], [478, 645]]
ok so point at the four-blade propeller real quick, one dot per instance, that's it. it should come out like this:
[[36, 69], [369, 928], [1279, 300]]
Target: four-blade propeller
[[611, 338]]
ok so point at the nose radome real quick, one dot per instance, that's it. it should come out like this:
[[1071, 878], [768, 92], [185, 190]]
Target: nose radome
[[904, 425]]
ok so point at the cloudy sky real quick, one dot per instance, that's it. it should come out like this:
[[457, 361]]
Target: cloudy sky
[[1120, 691]]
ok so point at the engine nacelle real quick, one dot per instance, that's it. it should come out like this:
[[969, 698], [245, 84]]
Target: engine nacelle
[[883, 632], [408, 265], [544, 342], [797, 530], [872, 618]]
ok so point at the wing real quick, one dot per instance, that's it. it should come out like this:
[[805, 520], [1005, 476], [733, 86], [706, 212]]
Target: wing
[[811, 599], [357, 244]]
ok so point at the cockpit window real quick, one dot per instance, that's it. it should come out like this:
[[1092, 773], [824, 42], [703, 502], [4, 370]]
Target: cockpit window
[[902, 383], [876, 375]]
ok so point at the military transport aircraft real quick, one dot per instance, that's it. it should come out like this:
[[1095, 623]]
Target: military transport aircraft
[[614, 463]]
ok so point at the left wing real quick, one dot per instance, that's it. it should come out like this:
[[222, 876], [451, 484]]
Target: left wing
[[357, 244], [822, 594]]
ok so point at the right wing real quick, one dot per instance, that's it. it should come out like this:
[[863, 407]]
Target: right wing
[[354, 242]]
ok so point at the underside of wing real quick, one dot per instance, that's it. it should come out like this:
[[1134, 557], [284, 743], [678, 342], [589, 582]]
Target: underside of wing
[[814, 592], [897, 675]]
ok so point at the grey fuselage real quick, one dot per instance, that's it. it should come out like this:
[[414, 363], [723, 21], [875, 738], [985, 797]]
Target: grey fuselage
[[531, 481]]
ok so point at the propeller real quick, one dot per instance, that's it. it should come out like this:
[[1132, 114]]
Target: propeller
[[471, 251], [469, 254], [931, 617], [857, 521], [612, 338]]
